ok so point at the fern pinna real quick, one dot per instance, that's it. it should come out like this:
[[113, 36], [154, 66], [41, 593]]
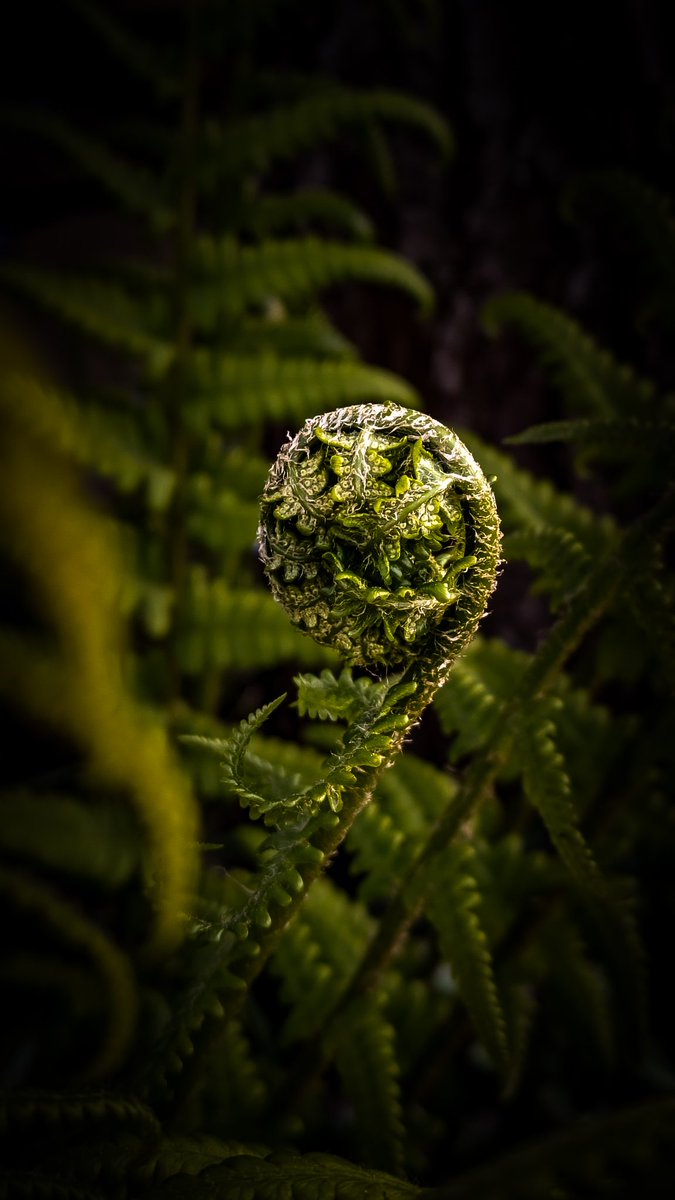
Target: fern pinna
[[283, 954]]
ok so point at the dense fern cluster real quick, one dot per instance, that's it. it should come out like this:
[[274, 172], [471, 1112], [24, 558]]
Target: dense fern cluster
[[296, 958]]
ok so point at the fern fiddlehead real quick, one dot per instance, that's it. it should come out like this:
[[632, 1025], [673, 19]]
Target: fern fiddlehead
[[380, 536]]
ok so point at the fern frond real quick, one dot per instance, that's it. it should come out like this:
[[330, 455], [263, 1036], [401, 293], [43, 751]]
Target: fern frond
[[252, 1172], [317, 954], [454, 909], [112, 965], [235, 1090], [237, 278], [236, 777], [328, 697], [530, 503], [587, 376], [547, 786], [365, 742], [191, 1155], [204, 740], [283, 336], [218, 626], [61, 1111], [366, 1060], [105, 441], [468, 706], [219, 519], [389, 831], [100, 309], [236, 393], [282, 133], [271, 214], [131, 184], [560, 560]]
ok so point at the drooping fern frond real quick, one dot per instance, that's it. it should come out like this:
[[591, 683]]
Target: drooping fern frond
[[308, 336], [591, 381], [454, 909], [310, 207], [284, 132], [237, 278]]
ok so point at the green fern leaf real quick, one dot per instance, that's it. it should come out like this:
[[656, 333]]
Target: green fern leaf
[[282, 133], [219, 519], [233, 1097], [235, 393], [547, 786], [317, 954], [238, 278], [560, 560], [272, 214], [72, 1109], [192, 1155], [366, 1060], [588, 377], [218, 627], [285, 1174], [454, 910], [526, 502], [327, 697], [283, 336], [390, 830]]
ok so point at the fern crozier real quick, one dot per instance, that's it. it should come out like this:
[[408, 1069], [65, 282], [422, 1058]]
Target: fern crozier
[[379, 535]]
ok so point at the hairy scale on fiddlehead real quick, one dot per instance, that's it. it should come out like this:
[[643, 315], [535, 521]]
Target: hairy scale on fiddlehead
[[380, 535]]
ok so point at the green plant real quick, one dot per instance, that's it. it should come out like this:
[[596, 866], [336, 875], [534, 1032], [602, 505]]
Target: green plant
[[295, 963]]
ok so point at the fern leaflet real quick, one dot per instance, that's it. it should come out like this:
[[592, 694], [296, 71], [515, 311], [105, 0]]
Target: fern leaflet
[[453, 908]]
